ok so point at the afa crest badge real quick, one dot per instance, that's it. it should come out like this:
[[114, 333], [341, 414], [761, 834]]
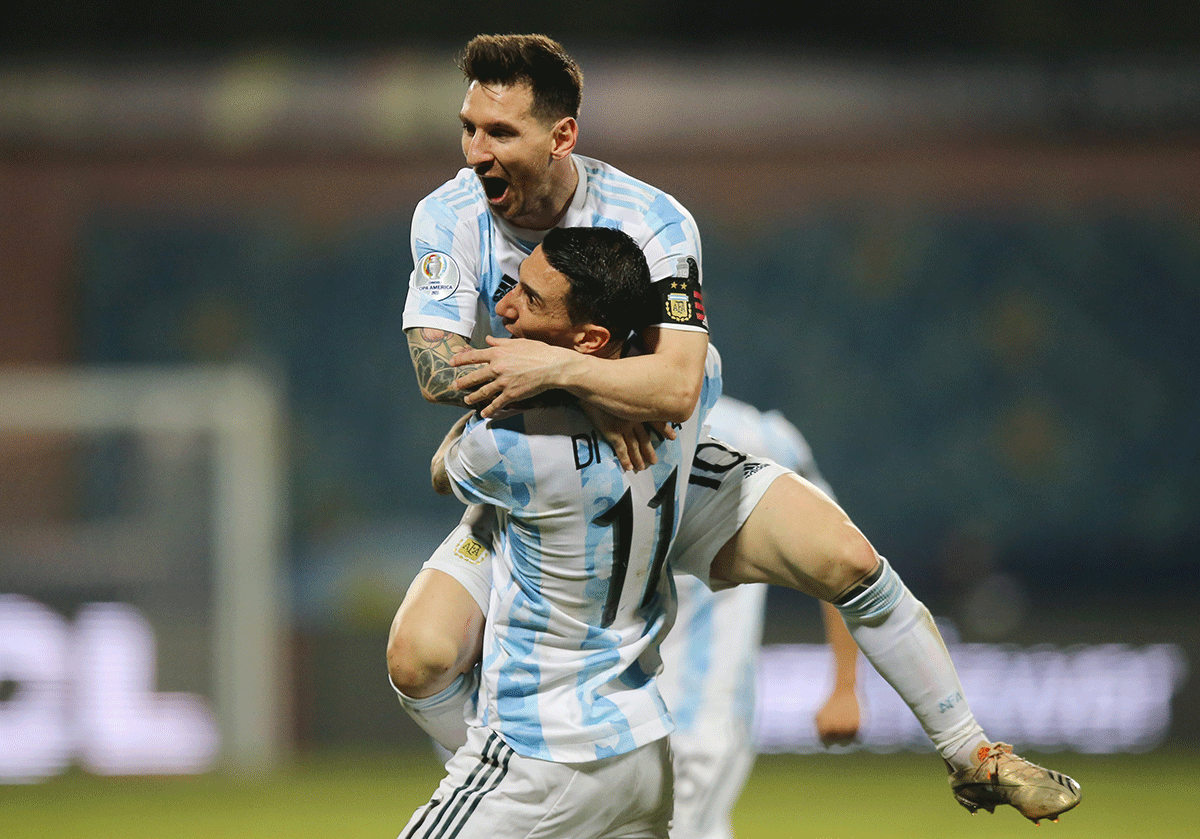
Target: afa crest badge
[[679, 307], [471, 550], [679, 296]]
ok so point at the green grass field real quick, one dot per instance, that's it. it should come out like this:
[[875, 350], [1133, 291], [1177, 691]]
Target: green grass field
[[809, 797]]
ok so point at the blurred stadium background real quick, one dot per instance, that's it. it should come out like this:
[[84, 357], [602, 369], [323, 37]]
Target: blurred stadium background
[[959, 249]]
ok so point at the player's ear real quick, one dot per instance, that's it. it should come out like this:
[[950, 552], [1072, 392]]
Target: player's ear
[[591, 338], [563, 137]]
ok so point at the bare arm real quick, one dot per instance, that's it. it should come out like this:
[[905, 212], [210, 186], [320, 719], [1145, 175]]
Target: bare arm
[[432, 352], [663, 385], [437, 466], [838, 720]]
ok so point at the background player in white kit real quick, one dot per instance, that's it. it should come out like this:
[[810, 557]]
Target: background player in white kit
[[569, 739], [710, 657], [526, 179]]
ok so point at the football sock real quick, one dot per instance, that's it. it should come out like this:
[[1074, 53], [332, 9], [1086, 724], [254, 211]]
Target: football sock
[[444, 715], [897, 635]]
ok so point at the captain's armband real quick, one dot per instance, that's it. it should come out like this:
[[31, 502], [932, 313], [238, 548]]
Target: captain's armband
[[678, 298]]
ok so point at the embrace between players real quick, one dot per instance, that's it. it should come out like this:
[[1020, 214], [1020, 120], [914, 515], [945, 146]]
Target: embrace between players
[[529, 645]]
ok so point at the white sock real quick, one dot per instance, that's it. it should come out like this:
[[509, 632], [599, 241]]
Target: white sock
[[444, 715], [897, 635]]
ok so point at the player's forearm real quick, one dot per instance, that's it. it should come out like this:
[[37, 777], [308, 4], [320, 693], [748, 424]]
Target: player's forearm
[[660, 386], [641, 388], [841, 644], [431, 351]]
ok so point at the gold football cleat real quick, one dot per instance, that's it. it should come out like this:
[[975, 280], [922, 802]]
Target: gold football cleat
[[1001, 777]]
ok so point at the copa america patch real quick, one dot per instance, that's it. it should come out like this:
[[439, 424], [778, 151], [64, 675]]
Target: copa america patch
[[680, 296], [471, 550], [436, 275]]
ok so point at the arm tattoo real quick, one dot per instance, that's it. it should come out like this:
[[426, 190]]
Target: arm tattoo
[[431, 351]]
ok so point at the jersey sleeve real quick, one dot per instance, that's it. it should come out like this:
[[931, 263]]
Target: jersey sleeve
[[443, 289], [673, 254], [476, 468], [680, 304]]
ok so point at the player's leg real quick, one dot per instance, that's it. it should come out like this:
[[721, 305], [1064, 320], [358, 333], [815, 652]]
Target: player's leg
[[436, 636], [710, 660], [792, 534], [796, 536]]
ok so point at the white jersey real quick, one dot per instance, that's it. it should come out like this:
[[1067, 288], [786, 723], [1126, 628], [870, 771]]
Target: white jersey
[[580, 595], [465, 257]]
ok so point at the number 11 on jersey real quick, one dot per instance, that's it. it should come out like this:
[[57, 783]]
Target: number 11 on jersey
[[621, 518]]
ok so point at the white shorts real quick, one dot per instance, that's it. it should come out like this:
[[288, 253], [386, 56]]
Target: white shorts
[[466, 554], [491, 792], [724, 487]]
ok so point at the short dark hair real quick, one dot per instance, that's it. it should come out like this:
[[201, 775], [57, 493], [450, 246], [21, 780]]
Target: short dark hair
[[608, 276], [537, 60]]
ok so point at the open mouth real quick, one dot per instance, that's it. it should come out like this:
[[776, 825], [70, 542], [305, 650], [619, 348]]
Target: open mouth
[[495, 188]]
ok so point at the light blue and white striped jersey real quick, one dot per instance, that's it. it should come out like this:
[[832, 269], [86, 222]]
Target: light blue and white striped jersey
[[579, 599], [464, 257]]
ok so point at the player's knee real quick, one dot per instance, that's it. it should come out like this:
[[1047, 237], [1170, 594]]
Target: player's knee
[[851, 559], [420, 661]]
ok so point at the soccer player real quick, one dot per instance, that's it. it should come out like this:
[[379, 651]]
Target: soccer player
[[469, 237], [740, 523], [570, 736]]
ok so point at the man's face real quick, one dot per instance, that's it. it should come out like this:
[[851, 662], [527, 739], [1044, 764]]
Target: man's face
[[509, 150], [536, 307]]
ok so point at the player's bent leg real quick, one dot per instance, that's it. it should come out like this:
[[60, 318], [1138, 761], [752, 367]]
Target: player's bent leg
[[436, 635], [792, 534], [797, 536], [432, 649]]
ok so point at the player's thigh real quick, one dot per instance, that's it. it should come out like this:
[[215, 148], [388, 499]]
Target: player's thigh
[[723, 489], [798, 537], [438, 630], [436, 606]]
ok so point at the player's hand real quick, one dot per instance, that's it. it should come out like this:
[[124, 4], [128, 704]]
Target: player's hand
[[664, 429], [510, 370], [838, 720], [629, 440]]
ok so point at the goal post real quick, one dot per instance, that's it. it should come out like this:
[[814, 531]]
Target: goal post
[[238, 411]]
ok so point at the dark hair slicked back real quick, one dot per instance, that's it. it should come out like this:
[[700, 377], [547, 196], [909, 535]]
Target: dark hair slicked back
[[608, 277], [536, 60]]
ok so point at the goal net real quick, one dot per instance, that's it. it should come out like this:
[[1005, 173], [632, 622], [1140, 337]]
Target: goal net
[[141, 614]]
